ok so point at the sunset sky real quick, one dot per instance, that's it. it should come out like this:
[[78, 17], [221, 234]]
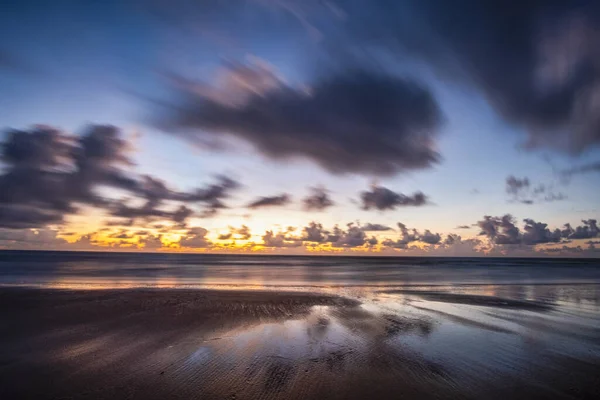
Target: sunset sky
[[398, 127]]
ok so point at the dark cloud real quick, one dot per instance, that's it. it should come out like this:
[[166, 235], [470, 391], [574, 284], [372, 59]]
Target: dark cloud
[[452, 239], [242, 233], [354, 236], [314, 233], [515, 185], [382, 198], [318, 200], [582, 169], [356, 121], [523, 192], [588, 230], [49, 174], [501, 230], [195, 238], [504, 231], [430, 238], [535, 61], [408, 236], [375, 227], [463, 227], [270, 201], [538, 232], [271, 239]]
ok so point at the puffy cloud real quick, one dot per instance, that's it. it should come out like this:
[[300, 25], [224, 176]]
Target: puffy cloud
[[271, 239], [356, 121], [151, 242], [314, 233], [503, 231], [408, 236], [318, 200], [452, 239], [430, 238], [538, 232], [375, 227], [242, 233], [270, 201], [382, 198], [195, 238], [354, 236], [588, 230]]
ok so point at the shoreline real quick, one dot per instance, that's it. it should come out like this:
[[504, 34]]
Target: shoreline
[[245, 344]]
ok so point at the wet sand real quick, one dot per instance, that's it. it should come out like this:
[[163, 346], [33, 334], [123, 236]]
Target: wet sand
[[346, 344]]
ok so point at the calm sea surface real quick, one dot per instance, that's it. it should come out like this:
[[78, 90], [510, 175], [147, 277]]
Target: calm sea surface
[[94, 269]]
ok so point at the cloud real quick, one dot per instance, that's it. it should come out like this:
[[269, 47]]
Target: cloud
[[354, 236], [242, 233], [314, 233], [382, 198], [408, 236], [318, 200], [536, 62], [463, 227], [375, 227], [195, 238], [523, 192], [357, 121], [588, 230], [270, 201], [271, 239], [501, 230], [514, 185], [582, 169], [50, 174], [504, 231]]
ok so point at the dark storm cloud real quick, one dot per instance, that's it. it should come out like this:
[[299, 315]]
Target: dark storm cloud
[[318, 200], [375, 227], [356, 121], [382, 198], [49, 174], [270, 201]]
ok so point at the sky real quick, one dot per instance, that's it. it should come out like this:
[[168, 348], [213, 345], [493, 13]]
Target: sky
[[403, 127]]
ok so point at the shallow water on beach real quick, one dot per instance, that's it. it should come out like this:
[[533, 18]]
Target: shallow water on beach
[[296, 328]]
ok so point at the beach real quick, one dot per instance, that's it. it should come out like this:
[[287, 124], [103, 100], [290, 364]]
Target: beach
[[474, 341]]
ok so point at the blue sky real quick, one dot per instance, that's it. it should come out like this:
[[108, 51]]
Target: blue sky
[[73, 63]]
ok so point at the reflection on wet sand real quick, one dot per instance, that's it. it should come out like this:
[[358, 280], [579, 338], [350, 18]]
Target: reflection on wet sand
[[459, 343]]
